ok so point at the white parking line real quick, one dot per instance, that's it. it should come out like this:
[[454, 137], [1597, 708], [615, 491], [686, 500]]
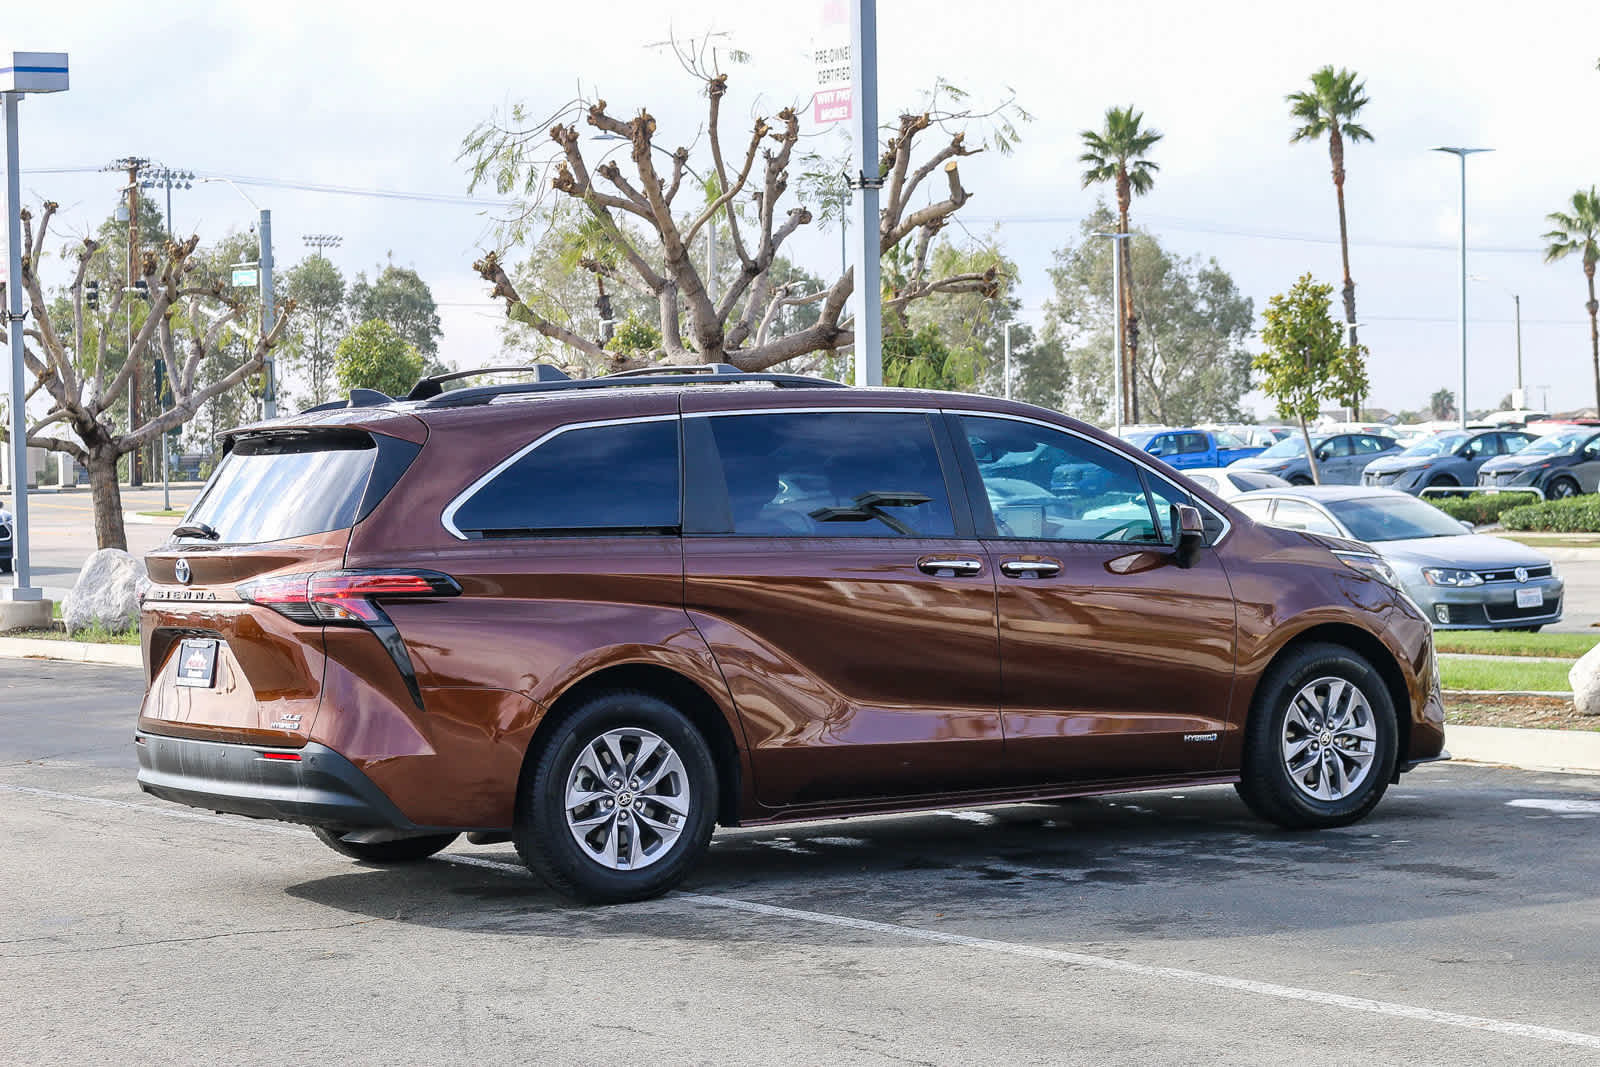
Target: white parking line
[[1560, 804], [983, 944], [1103, 963]]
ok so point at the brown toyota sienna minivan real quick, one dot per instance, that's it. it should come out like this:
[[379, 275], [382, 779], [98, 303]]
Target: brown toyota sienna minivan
[[600, 617]]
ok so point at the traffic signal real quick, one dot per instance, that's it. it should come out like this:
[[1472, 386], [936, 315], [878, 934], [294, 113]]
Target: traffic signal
[[91, 294]]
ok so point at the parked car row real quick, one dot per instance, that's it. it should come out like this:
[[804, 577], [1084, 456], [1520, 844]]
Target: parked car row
[[1445, 460]]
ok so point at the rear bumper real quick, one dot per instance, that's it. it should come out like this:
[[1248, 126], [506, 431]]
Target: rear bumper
[[321, 788]]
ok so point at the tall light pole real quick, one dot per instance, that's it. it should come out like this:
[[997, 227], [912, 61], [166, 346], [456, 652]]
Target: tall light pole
[[269, 399], [1462, 154], [166, 177], [867, 178], [22, 72], [1008, 359], [1117, 318]]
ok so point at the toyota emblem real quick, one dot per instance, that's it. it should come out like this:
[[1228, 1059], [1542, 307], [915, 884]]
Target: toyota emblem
[[1522, 574], [181, 571]]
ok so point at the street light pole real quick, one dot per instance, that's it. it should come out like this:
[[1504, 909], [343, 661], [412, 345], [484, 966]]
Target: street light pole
[[1116, 318], [1521, 397], [1462, 154], [867, 178], [1008, 359], [167, 177], [28, 72], [269, 398]]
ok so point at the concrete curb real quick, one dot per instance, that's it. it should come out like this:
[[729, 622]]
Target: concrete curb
[[1484, 657], [1533, 750], [73, 651], [1564, 694]]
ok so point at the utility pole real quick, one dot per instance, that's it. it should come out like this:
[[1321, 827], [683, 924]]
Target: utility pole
[[1519, 399], [868, 180], [1008, 359], [183, 179]]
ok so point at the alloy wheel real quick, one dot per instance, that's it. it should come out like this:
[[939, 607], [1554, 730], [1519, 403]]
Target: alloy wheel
[[1329, 739], [627, 799]]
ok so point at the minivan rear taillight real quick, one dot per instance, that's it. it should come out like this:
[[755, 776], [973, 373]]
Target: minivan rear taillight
[[344, 596], [349, 598]]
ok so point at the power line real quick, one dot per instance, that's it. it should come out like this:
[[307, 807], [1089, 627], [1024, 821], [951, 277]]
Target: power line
[[1170, 222]]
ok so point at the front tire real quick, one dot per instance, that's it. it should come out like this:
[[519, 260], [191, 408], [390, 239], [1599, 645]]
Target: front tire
[[1562, 488], [1300, 479], [619, 802], [404, 850], [1320, 745]]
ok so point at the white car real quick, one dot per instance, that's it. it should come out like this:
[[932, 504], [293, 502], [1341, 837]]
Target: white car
[[1229, 482]]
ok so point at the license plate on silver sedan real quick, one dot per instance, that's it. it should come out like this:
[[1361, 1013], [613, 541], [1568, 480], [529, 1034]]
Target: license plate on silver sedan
[[1530, 598]]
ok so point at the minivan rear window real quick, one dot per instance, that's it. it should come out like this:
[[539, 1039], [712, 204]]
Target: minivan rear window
[[279, 486]]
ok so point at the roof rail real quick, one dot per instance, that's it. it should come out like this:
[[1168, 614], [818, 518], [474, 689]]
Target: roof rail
[[697, 368], [671, 376], [432, 386]]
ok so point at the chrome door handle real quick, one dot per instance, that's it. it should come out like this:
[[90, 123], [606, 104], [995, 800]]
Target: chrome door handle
[[1030, 568], [950, 568]]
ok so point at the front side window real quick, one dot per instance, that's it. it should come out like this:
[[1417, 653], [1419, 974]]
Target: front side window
[[833, 474], [1047, 485], [621, 478], [1297, 515], [1334, 448]]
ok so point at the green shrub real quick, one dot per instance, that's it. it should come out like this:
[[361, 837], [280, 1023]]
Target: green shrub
[[1480, 508], [1579, 514]]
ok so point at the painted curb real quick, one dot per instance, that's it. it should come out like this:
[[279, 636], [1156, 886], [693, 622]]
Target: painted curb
[[1533, 750], [72, 651]]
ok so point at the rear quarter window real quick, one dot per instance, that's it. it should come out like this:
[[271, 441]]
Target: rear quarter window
[[622, 478]]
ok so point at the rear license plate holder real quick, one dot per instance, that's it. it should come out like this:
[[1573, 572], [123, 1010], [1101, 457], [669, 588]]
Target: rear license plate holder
[[1530, 598], [197, 662]]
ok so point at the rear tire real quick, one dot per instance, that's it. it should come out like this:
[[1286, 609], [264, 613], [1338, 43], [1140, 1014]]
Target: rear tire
[[404, 850], [1320, 744], [619, 802]]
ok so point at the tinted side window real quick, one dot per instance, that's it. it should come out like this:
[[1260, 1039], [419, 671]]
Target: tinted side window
[[1043, 484], [1365, 443], [1191, 442], [835, 474], [1335, 447], [622, 477]]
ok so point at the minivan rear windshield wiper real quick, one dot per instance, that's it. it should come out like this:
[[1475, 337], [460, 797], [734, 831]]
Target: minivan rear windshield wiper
[[197, 529]]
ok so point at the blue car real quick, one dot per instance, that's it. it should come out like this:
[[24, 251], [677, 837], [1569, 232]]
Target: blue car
[[1444, 460], [1193, 448], [1341, 457]]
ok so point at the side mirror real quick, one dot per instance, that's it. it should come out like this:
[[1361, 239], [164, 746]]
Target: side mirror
[[1469, 527], [1322, 455], [1190, 528]]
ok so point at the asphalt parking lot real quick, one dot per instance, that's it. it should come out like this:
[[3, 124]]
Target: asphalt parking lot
[[1456, 925]]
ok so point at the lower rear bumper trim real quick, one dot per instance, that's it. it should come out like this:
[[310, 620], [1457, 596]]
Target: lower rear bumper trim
[[321, 788]]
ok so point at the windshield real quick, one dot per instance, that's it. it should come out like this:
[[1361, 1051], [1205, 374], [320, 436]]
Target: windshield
[[1557, 444], [1287, 448], [1393, 518], [1438, 445]]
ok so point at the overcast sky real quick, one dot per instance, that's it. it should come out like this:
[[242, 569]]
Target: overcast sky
[[378, 96]]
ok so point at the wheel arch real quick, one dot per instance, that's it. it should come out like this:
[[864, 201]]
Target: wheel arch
[[677, 689], [1374, 651]]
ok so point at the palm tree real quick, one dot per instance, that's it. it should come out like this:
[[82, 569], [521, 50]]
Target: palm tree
[[1580, 232], [1330, 108], [1116, 154]]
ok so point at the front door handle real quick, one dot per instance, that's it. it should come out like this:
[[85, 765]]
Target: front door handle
[[1030, 568], [940, 567]]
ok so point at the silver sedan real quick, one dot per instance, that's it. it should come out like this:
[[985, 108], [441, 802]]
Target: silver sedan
[[1461, 580]]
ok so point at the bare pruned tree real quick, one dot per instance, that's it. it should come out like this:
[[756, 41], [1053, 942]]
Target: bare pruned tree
[[652, 224], [71, 365]]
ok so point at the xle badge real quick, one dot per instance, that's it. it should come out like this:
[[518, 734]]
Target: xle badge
[[1212, 736]]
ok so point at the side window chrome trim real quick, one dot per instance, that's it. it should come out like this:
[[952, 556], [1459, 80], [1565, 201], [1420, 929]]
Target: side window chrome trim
[[1227, 525], [448, 517]]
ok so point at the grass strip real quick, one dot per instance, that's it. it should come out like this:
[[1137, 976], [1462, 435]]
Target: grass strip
[[1484, 674], [1506, 643]]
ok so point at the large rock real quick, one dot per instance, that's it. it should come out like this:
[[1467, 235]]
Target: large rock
[[107, 593], [1584, 678]]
